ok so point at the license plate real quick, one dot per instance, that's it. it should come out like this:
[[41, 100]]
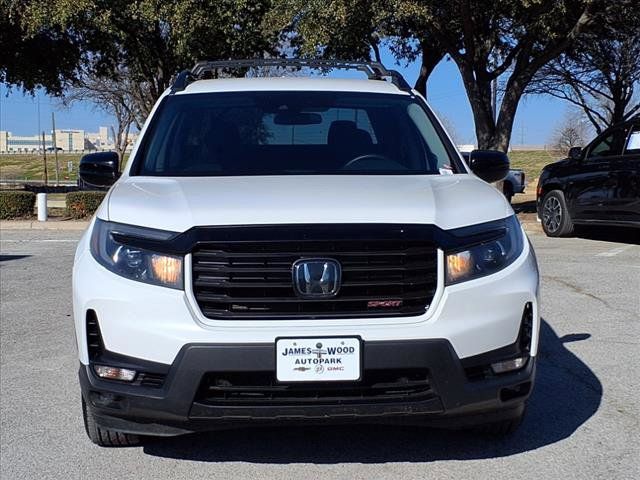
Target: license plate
[[317, 359]]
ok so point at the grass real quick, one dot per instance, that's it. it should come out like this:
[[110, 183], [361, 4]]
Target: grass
[[30, 166], [61, 197], [533, 161]]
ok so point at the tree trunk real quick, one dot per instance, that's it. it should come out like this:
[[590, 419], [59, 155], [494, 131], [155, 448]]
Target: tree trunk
[[432, 54], [620, 101], [376, 49], [493, 133], [121, 139], [513, 93], [479, 94]]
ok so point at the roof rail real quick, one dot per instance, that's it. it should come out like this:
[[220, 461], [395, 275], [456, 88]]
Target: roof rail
[[208, 69]]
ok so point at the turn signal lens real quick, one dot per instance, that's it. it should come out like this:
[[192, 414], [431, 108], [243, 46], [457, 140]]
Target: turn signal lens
[[509, 365], [168, 270], [459, 265], [114, 373]]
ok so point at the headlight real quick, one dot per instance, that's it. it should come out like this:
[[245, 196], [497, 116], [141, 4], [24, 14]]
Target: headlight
[[132, 262], [487, 257]]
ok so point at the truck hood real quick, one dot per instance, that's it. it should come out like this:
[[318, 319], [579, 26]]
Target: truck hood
[[177, 204]]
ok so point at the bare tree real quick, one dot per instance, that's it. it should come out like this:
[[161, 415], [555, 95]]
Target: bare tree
[[600, 75], [573, 131], [114, 95], [450, 127]]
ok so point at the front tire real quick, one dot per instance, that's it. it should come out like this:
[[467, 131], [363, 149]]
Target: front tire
[[556, 220], [105, 437]]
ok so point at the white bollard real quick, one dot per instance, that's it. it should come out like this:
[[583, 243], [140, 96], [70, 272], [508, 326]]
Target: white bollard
[[42, 206]]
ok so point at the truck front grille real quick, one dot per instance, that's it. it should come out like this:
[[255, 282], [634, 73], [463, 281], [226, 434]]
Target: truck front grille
[[248, 279]]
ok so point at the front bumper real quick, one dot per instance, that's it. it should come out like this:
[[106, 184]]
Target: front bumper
[[452, 398]]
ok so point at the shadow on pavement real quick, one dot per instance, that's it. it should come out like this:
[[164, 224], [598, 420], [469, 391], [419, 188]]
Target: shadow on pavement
[[609, 234], [603, 233], [525, 207], [6, 258], [567, 393]]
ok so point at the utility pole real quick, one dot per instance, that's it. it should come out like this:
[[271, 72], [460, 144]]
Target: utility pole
[[55, 147], [38, 111], [494, 99], [44, 153], [1, 110]]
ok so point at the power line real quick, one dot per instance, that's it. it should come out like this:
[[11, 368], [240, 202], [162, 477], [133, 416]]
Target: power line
[[30, 102]]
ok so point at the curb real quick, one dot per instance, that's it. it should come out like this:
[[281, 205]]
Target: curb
[[529, 226], [49, 225]]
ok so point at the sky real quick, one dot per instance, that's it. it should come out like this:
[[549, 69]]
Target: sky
[[535, 121]]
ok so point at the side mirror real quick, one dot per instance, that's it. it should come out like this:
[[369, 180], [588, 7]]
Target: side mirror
[[575, 153], [99, 170], [490, 165]]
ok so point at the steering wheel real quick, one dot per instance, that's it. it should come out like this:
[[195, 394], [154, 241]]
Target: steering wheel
[[368, 156]]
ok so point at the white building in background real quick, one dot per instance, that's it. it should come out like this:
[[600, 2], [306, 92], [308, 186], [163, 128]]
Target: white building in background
[[19, 143], [100, 140], [68, 140]]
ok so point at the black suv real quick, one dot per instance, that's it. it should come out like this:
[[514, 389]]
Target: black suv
[[598, 184]]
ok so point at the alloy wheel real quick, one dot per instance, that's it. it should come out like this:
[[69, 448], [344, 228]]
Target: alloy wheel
[[552, 214]]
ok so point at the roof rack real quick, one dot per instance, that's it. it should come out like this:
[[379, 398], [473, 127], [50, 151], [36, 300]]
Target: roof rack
[[208, 69]]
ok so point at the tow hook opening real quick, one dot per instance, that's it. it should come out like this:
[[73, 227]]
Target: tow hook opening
[[516, 391], [108, 400]]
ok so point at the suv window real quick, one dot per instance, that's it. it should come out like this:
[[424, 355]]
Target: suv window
[[291, 133], [609, 145], [314, 134], [633, 143]]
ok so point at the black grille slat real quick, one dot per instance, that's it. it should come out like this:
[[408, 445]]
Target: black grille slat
[[252, 279], [203, 267], [258, 312], [389, 268], [235, 284], [227, 298], [261, 388], [95, 345], [366, 253]]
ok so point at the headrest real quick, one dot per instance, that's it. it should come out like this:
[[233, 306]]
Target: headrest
[[343, 132]]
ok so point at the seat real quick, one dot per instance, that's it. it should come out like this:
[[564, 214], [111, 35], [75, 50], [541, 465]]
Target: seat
[[210, 145], [346, 134]]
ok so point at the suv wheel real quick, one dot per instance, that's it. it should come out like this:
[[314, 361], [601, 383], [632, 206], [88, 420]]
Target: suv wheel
[[556, 221], [103, 436]]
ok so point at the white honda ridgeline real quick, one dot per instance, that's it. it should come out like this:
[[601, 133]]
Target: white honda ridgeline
[[300, 250]]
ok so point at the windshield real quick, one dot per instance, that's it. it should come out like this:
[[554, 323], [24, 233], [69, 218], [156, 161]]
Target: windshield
[[291, 133]]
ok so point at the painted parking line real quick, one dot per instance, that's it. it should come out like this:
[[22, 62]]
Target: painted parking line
[[57, 240], [615, 251]]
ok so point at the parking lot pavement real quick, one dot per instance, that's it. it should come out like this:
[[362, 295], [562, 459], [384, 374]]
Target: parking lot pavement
[[582, 420]]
